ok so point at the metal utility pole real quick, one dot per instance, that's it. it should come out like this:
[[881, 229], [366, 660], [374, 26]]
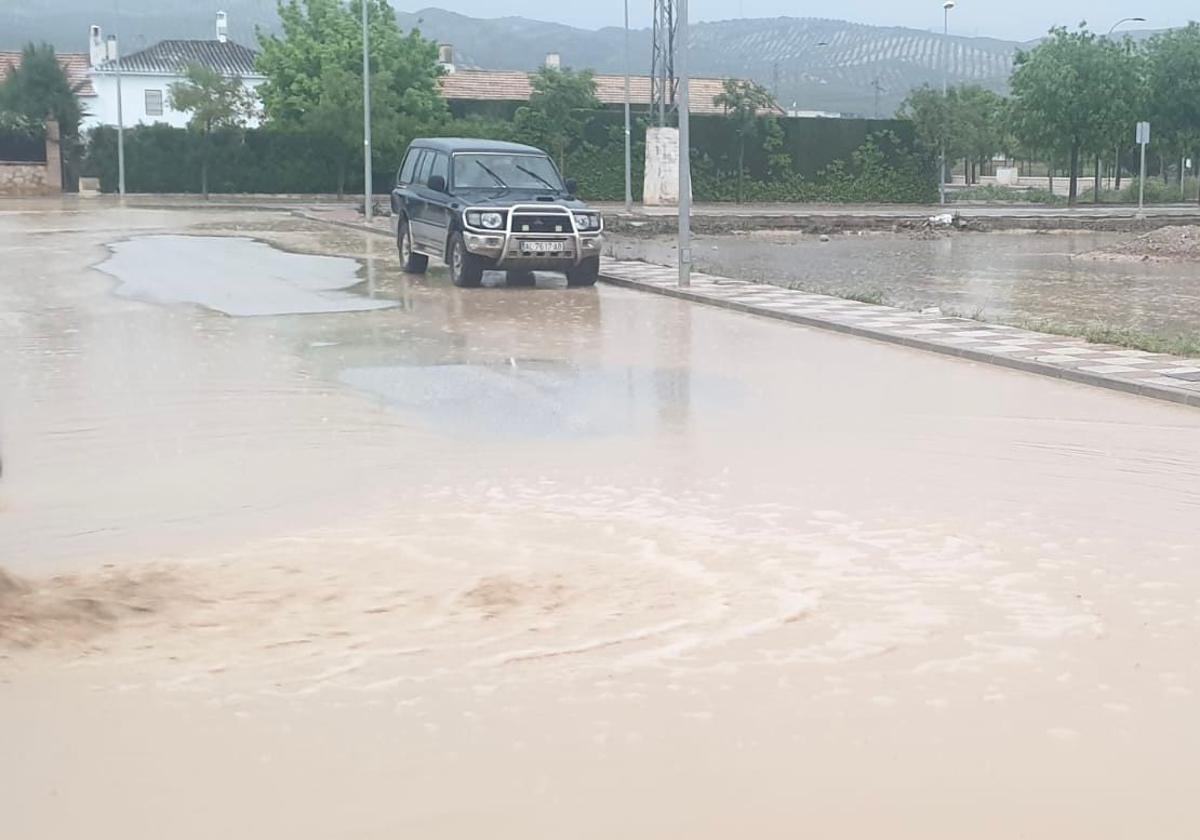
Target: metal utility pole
[[628, 140], [662, 61], [685, 157], [946, 7], [366, 116], [120, 110]]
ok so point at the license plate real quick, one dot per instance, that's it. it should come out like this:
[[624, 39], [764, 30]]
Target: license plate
[[543, 247]]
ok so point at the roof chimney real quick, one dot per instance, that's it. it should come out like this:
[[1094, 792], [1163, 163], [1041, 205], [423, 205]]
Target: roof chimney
[[553, 61], [110, 48], [222, 27], [446, 57], [96, 52]]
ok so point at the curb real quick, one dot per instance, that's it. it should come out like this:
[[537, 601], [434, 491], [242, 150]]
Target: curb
[[1024, 365]]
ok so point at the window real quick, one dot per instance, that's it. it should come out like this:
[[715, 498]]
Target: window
[[405, 175], [441, 166], [421, 173], [505, 171], [154, 103]]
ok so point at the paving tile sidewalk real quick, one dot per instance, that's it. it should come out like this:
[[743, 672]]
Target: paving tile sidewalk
[[1132, 371]]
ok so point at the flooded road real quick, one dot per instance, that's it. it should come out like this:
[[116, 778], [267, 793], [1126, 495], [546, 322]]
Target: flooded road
[[1009, 277], [547, 562]]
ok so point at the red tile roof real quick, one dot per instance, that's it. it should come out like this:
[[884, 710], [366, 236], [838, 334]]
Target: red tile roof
[[75, 65], [514, 86]]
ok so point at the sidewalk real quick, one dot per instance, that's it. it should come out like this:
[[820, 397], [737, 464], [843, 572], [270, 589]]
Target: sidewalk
[[1131, 371]]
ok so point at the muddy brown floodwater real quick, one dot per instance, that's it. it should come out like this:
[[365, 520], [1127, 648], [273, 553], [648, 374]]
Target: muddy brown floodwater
[[1011, 277], [513, 563]]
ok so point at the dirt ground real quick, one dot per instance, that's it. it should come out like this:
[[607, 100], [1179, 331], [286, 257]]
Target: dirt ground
[[1167, 244]]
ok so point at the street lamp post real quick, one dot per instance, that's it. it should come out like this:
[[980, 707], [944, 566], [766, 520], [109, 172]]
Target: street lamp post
[[628, 150], [1117, 153], [120, 110], [1113, 28], [685, 157], [366, 62], [946, 7]]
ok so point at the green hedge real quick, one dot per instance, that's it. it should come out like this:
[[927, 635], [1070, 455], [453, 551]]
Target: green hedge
[[785, 160]]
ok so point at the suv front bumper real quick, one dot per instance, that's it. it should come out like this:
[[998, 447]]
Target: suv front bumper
[[509, 249]]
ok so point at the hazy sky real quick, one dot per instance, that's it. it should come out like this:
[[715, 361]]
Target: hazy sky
[[1014, 19]]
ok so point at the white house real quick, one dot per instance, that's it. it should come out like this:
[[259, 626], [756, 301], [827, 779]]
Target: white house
[[146, 76]]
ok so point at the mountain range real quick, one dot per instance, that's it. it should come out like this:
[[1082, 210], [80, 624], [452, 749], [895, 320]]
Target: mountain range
[[808, 63]]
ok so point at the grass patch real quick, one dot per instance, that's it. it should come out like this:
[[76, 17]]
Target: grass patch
[[1174, 345], [877, 297], [1005, 195]]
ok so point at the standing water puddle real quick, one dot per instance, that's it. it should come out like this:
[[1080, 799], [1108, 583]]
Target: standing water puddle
[[234, 275]]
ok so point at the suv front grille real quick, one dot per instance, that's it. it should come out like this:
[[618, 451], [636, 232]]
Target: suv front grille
[[543, 223]]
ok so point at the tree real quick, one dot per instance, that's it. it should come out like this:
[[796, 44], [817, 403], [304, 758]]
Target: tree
[[966, 121], [557, 110], [39, 89], [1074, 90], [1172, 86], [742, 102], [314, 77], [215, 103]]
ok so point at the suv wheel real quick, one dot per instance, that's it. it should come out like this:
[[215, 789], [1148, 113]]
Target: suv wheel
[[584, 274], [466, 269], [410, 261]]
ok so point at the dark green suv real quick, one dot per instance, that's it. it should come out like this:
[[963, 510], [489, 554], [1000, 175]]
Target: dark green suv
[[483, 205]]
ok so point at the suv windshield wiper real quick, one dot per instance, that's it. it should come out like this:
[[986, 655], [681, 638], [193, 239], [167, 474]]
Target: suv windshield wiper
[[528, 171], [488, 170]]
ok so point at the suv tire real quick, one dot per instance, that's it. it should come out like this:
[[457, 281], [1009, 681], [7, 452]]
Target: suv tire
[[584, 274], [466, 269], [410, 260]]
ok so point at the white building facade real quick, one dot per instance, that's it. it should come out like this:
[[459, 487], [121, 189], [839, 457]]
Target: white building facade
[[147, 76]]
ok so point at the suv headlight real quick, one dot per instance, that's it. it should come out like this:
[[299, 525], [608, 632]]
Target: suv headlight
[[489, 220], [587, 221]]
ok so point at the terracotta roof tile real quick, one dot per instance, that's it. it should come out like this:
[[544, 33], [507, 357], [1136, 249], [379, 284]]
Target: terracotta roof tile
[[75, 65], [514, 86]]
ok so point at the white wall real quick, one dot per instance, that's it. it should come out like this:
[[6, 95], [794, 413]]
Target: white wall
[[103, 107]]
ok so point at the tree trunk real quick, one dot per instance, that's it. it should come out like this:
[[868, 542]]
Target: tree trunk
[[1117, 166], [341, 178], [1073, 189], [1050, 175], [1162, 169], [1096, 182]]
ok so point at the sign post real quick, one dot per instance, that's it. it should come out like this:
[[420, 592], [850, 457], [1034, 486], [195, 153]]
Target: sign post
[[1143, 138]]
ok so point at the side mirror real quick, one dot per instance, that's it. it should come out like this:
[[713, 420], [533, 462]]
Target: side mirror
[[572, 186], [437, 183]]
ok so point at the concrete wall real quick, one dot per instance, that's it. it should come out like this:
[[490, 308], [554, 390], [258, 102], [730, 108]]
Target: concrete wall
[[103, 109], [23, 178]]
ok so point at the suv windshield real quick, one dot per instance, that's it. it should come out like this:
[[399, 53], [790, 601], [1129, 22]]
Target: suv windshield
[[484, 170]]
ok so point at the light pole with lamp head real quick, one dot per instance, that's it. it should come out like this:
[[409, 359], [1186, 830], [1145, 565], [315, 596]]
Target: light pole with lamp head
[[1117, 160], [946, 7], [628, 149], [366, 63]]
